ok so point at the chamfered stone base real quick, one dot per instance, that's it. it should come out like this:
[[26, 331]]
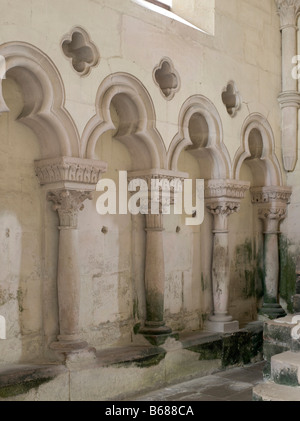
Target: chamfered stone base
[[223, 327], [272, 311], [73, 351], [157, 335]]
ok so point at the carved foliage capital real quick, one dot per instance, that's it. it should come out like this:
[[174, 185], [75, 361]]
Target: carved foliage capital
[[67, 203], [272, 205], [225, 208], [287, 10], [272, 213]]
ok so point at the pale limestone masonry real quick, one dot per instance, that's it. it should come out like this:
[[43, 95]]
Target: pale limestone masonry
[[90, 88]]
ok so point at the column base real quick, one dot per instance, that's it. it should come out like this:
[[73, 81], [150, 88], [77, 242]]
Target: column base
[[271, 311], [296, 303], [73, 350], [156, 334], [221, 326], [220, 318]]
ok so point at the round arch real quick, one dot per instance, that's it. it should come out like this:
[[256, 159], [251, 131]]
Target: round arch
[[201, 134], [44, 97], [137, 130], [257, 150]]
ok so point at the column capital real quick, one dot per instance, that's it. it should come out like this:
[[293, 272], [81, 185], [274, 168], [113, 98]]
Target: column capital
[[223, 198], [69, 173], [168, 182], [288, 10], [225, 189], [272, 205], [68, 203], [221, 209], [271, 195]]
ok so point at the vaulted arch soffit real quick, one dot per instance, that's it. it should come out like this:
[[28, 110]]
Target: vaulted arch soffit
[[201, 134], [44, 98], [257, 150], [136, 128]]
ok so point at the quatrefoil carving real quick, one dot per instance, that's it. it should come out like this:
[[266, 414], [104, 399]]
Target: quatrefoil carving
[[231, 98], [80, 50], [167, 78]]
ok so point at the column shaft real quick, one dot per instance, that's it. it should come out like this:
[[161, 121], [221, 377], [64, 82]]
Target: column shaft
[[154, 277], [67, 203], [271, 265], [68, 284], [220, 277]]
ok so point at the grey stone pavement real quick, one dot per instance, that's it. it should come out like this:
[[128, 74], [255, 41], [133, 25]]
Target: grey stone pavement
[[233, 384]]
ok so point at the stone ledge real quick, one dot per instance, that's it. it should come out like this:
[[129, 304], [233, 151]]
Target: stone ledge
[[117, 373], [19, 379], [269, 391], [285, 368]]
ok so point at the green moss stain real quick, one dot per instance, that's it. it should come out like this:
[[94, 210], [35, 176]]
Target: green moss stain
[[21, 388], [248, 269], [150, 361], [232, 349], [237, 349], [286, 377], [205, 283], [154, 306], [145, 361], [287, 284], [136, 328], [208, 351], [136, 309]]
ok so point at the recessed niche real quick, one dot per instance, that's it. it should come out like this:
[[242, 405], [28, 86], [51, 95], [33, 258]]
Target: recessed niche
[[231, 98], [198, 130], [80, 50], [167, 78], [255, 144]]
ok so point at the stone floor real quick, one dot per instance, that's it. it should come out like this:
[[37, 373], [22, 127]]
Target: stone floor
[[234, 384]]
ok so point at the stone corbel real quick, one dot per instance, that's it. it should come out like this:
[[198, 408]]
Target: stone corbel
[[222, 199], [69, 182], [289, 98], [272, 205]]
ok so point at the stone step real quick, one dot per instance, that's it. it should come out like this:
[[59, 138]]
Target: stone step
[[278, 337], [270, 391], [285, 368]]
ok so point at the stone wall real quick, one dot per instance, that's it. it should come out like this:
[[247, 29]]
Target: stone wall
[[107, 106]]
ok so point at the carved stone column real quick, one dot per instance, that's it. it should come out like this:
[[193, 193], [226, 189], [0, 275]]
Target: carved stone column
[[154, 277], [222, 199], [272, 209], [289, 99], [69, 182], [154, 328]]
